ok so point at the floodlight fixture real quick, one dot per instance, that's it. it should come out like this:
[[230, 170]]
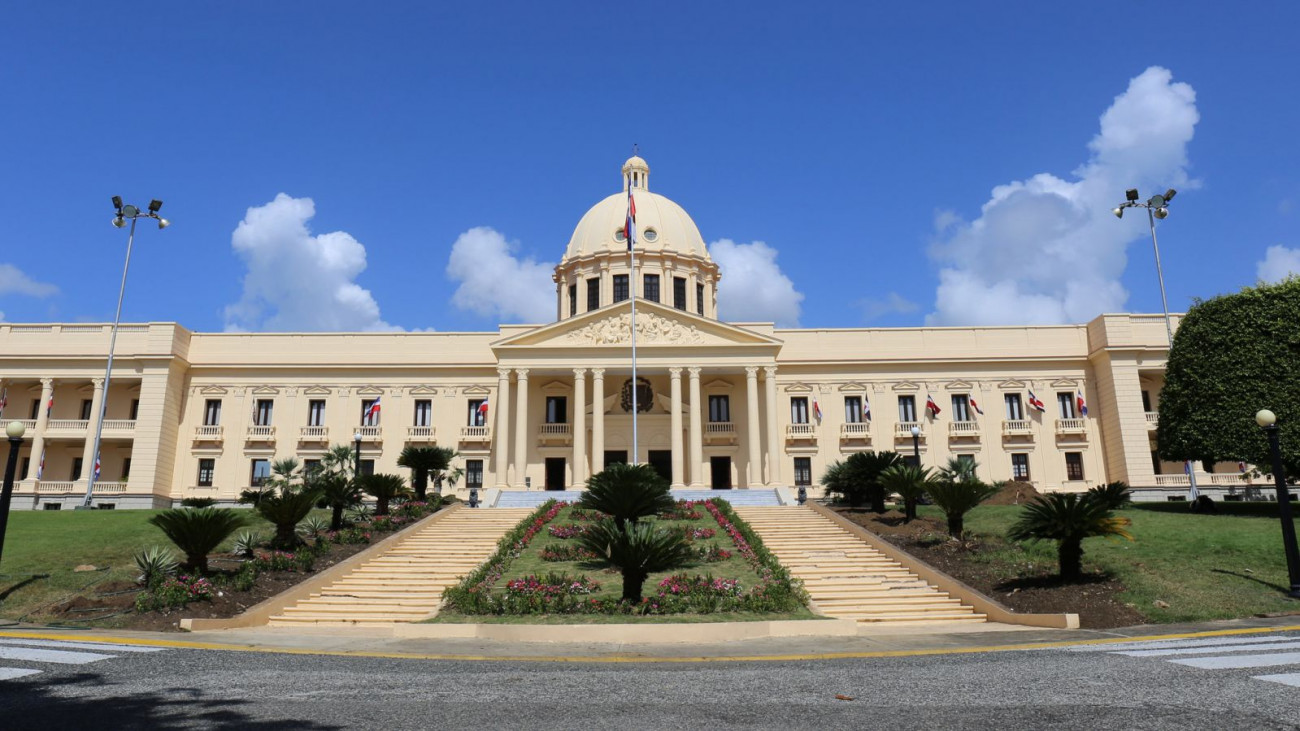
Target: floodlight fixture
[[1169, 194], [1161, 213], [119, 221], [1131, 194], [117, 202], [154, 205], [163, 223], [1118, 211]]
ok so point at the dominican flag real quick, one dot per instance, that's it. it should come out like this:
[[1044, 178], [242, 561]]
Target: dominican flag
[[931, 406], [975, 406], [40, 466], [371, 412], [482, 408], [49, 406], [1034, 402], [96, 466], [866, 409], [1080, 403], [1241, 467], [629, 227], [817, 409]]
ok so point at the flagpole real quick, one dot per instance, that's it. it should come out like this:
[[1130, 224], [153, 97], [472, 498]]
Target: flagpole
[[631, 286]]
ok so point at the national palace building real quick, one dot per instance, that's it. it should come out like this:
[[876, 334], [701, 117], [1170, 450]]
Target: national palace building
[[721, 404]]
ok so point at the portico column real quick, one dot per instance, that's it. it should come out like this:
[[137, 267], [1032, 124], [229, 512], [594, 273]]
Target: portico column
[[597, 420], [697, 436], [675, 384], [752, 477], [501, 440], [773, 436], [521, 427], [87, 453], [579, 427], [42, 419]]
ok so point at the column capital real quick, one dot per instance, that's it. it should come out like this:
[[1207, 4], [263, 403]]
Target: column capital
[[47, 383], [751, 371], [769, 371], [521, 374], [97, 382], [695, 372], [580, 373], [675, 373], [503, 373], [598, 373]]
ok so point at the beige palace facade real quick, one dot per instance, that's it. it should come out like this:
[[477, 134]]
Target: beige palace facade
[[721, 404]]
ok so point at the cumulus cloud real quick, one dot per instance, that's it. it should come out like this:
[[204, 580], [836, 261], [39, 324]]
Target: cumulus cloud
[[1048, 250], [753, 287], [14, 281], [297, 281], [1278, 264], [496, 283]]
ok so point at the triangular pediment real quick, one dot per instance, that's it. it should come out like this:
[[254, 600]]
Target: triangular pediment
[[1064, 383], [557, 387], [906, 386], [657, 326], [316, 391], [370, 391], [718, 384], [265, 391], [798, 388], [853, 387], [959, 386], [1011, 385], [475, 390], [423, 391]]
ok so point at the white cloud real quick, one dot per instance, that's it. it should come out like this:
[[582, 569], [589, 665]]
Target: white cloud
[[1279, 263], [753, 288], [14, 281], [1048, 250], [297, 281], [893, 303], [495, 283]]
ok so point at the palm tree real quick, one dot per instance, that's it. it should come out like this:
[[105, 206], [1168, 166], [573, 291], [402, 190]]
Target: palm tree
[[637, 549], [198, 531], [959, 470], [337, 492], [1068, 518], [425, 462], [627, 492], [857, 479], [340, 458], [1114, 494], [284, 500], [956, 499], [910, 482], [383, 488]]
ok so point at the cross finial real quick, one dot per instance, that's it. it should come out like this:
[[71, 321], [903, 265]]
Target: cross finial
[[636, 149]]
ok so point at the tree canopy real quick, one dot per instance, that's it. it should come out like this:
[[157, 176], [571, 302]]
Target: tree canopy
[[1234, 355]]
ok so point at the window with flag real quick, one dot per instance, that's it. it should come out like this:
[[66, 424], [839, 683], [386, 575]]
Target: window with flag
[[1065, 401], [573, 300], [1074, 465], [852, 409], [206, 467], [212, 412], [802, 471], [262, 412], [474, 473], [423, 412], [593, 294], [476, 415], [316, 412], [260, 472], [620, 287], [1020, 466], [369, 414], [557, 409], [961, 407], [798, 409], [650, 287], [679, 293], [1015, 410], [699, 299], [86, 405], [906, 408], [719, 409]]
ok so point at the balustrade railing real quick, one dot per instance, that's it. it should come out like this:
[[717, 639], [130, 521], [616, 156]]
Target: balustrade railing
[[1070, 426], [208, 433], [904, 428], [419, 433], [963, 429], [1018, 427]]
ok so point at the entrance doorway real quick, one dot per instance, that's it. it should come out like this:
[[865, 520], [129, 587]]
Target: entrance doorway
[[720, 467], [555, 473], [662, 461], [615, 456]]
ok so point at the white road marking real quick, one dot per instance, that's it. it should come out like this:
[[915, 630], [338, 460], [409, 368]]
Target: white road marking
[[1233, 662], [11, 673], [1163, 644], [106, 646], [1291, 679], [53, 656], [1214, 649]]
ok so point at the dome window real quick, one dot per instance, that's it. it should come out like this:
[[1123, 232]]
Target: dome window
[[619, 236], [650, 234]]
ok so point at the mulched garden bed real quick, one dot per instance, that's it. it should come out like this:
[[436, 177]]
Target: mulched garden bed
[[1033, 589]]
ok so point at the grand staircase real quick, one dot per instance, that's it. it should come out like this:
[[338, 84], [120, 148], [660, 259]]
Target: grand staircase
[[406, 582], [534, 498], [847, 578]]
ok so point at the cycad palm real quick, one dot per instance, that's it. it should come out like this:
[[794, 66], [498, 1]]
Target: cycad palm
[[198, 531], [337, 492], [857, 478], [959, 470], [1068, 518], [383, 488], [637, 549], [910, 482], [956, 499], [423, 463], [627, 493], [284, 501]]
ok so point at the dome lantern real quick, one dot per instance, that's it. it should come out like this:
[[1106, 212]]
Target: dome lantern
[[636, 174]]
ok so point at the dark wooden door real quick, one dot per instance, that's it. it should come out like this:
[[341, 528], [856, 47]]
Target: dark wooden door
[[555, 473], [721, 472]]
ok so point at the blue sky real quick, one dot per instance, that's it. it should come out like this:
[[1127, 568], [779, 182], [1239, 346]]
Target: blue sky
[[837, 134]]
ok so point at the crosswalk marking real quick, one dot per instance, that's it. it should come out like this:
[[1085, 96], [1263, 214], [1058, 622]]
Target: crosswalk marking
[[105, 646], [11, 673], [1219, 653], [58, 652], [60, 657], [1160, 644], [1240, 647], [1235, 662], [1291, 679]]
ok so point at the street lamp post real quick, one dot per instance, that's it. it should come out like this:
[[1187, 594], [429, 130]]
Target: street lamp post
[[356, 469], [15, 432], [1267, 420], [124, 212], [916, 444], [1157, 206]]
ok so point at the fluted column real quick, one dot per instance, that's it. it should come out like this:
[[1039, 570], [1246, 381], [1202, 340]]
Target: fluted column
[[579, 427], [88, 452], [501, 439], [675, 389], [752, 426], [42, 419], [597, 420], [521, 426], [773, 436], [697, 435]]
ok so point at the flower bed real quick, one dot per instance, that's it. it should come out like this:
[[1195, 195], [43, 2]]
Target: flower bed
[[566, 531]]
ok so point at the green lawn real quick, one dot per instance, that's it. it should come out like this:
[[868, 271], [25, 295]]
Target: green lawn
[[1203, 566]]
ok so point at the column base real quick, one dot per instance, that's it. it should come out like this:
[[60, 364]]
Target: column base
[[677, 486]]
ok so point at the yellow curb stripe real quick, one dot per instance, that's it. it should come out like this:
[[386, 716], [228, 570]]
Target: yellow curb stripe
[[627, 659]]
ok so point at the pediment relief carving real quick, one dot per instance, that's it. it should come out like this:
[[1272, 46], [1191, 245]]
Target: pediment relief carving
[[853, 387], [651, 329], [557, 387], [718, 384]]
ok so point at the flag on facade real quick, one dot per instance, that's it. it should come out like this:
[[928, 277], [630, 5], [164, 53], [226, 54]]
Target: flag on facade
[[49, 406], [1080, 403], [931, 406], [866, 409], [96, 466], [4, 399], [40, 466], [973, 405], [1034, 402], [371, 412], [483, 408], [629, 227], [817, 409], [1241, 467], [1192, 492]]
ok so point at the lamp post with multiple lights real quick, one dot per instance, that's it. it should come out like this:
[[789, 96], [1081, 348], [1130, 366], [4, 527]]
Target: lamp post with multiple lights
[[1158, 207], [124, 212], [1267, 421], [15, 432]]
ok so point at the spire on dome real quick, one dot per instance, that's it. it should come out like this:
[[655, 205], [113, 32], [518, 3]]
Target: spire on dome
[[636, 173]]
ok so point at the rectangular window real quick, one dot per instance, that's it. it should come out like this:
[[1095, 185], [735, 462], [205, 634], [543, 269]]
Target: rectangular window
[[51, 506], [86, 405], [1146, 400], [310, 466], [476, 415], [35, 410], [802, 471], [212, 412], [719, 409], [1065, 401], [679, 293], [1020, 466], [206, 468], [367, 467], [1155, 462], [593, 294], [423, 412], [852, 409], [27, 466], [557, 409], [76, 469], [960, 407], [799, 410], [126, 469], [699, 299], [573, 300], [316, 412], [474, 473], [966, 460], [262, 412], [620, 287], [135, 409], [368, 417], [1014, 410], [1074, 465], [650, 287], [260, 472], [907, 409]]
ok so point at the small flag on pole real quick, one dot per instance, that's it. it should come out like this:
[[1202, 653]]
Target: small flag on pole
[[40, 466], [49, 406], [96, 466], [482, 413], [1034, 402], [866, 409], [931, 406], [629, 227], [817, 409], [1080, 403], [369, 417], [975, 406]]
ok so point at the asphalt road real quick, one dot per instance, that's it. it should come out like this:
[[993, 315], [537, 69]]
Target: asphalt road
[[1199, 685]]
